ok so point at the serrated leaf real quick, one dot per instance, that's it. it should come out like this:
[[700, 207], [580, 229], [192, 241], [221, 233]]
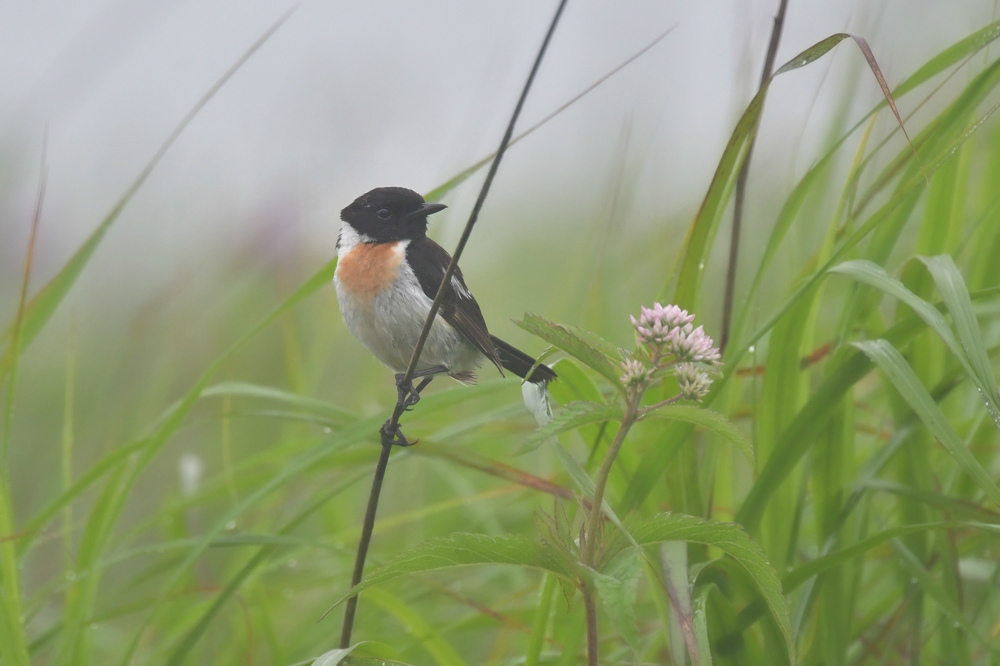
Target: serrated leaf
[[906, 382], [461, 550], [616, 590], [732, 540], [573, 416], [584, 348], [709, 420]]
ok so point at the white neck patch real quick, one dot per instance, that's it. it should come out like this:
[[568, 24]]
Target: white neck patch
[[349, 237]]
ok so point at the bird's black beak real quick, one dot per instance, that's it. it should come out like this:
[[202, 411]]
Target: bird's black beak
[[427, 209]]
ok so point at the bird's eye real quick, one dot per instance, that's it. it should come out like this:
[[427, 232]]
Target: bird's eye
[[384, 213]]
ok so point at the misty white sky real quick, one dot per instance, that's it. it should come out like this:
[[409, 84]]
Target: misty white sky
[[352, 95]]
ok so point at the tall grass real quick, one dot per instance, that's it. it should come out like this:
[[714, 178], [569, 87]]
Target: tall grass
[[859, 367]]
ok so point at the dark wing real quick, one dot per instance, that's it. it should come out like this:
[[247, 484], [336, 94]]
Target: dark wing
[[429, 262]]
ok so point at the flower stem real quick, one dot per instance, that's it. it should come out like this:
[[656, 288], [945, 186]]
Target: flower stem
[[590, 602], [594, 524], [662, 403]]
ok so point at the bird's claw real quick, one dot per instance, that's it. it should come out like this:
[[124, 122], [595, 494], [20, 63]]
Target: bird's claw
[[393, 436]]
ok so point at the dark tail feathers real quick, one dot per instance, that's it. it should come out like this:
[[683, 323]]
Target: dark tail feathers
[[519, 363]]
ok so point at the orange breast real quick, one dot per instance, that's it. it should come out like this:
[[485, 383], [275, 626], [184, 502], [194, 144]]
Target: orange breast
[[369, 268]]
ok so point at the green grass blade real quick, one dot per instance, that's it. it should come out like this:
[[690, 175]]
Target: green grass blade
[[899, 373], [956, 298]]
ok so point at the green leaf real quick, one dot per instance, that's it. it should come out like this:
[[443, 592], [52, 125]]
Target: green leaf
[[616, 590], [461, 550], [603, 358], [732, 540], [713, 421], [952, 55], [573, 416], [899, 373]]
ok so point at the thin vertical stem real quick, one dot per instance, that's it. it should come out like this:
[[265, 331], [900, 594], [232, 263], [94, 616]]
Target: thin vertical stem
[[366, 537], [590, 603], [741, 184], [392, 426]]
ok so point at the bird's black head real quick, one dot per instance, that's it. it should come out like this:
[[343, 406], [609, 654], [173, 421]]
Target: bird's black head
[[390, 213]]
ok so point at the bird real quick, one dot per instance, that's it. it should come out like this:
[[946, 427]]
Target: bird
[[388, 274]]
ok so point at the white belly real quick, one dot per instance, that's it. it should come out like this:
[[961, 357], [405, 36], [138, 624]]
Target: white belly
[[390, 322]]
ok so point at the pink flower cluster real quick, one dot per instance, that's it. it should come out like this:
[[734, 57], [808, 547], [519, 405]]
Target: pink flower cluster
[[669, 329], [672, 342]]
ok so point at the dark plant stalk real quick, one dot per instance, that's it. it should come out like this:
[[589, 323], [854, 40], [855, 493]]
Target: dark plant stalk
[[392, 427], [366, 537], [741, 184]]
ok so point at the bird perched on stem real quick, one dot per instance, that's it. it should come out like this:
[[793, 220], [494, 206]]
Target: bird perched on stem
[[388, 273]]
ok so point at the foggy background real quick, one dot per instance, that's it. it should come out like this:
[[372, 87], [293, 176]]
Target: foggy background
[[350, 96]]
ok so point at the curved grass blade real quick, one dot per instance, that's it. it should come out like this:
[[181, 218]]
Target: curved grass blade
[[956, 298], [902, 377], [702, 230], [305, 403]]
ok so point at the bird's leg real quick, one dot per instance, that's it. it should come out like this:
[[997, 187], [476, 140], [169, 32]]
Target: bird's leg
[[407, 394]]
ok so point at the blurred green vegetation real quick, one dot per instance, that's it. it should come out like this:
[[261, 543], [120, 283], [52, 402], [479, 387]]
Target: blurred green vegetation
[[185, 481]]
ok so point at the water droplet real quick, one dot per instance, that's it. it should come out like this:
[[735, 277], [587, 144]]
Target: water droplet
[[231, 525], [752, 348], [990, 407], [292, 563], [327, 430], [701, 265], [913, 581]]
